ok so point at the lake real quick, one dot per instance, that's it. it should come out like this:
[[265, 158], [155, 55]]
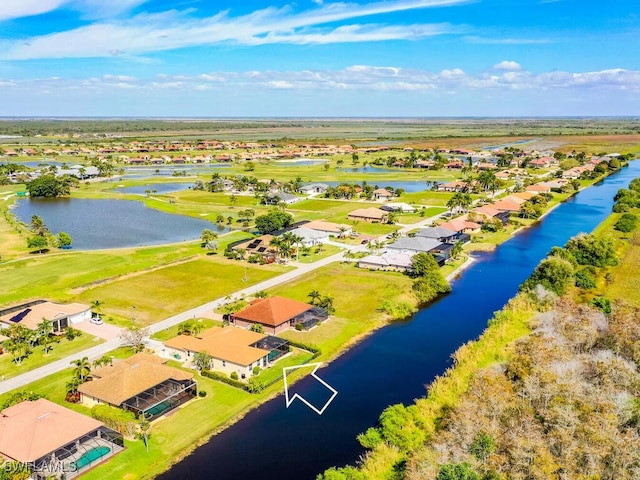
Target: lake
[[409, 186], [394, 364], [95, 224]]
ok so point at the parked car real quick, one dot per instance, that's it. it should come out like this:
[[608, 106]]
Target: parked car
[[96, 320]]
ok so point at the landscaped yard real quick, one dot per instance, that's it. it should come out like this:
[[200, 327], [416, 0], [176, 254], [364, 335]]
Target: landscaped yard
[[37, 358]]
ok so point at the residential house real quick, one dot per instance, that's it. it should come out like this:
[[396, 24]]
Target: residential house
[[277, 314], [489, 211], [444, 235], [260, 245], [398, 207], [31, 314], [309, 236], [455, 164], [507, 205], [392, 260], [455, 186], [142, 384], [232, 349], [369, 215], [314, 188], [337, 229], [382, 194], [417, 245], [539, 188], [461, 226], [53, 441], [278, 197]]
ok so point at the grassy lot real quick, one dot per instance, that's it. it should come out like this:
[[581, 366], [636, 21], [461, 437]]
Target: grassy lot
[[327, 251], [53, 276], [163, 292], [428, 197], [357, 294], [38, 358], [169, 333]]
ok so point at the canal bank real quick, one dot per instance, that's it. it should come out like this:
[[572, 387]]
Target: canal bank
[[394, 364]]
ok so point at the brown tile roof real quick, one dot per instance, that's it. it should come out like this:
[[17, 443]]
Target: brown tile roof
[[506, 205], [487, 210], [326, 226], [121, 381], [31, 430], [524, 195], [49, 310], [273, 311], [369, 213], [459, 225], [231, 344]]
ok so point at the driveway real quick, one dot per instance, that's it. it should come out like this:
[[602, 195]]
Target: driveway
[[106, 331]]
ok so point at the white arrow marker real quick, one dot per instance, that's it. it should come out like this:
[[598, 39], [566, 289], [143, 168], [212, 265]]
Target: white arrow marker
[[289, 400]]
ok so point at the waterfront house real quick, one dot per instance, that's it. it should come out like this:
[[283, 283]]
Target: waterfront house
[[442, 234], [391, 261], [54, 441], [30, 314], [369, 215], [539, 188], [314, 188], [462, 226], [489, 211], [382, 194], [455, 186], [277, 314], [260, 245], [232, 349], [142, 384]]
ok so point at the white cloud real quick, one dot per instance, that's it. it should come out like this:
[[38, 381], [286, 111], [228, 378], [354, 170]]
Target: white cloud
[[25, 8], [173, 29], [105, 8], [506, 41], [361, 78], [507, 65]]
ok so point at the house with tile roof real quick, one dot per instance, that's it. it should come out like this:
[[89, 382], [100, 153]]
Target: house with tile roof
[[277, 314], [30, 314], [232, 349], [54, 441], [142, 383], [369, 215]]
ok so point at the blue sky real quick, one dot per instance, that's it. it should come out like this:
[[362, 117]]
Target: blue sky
[[311, 58]]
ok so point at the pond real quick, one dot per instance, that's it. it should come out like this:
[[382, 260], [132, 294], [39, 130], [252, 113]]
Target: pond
[[158, 187], [98, 223], [149, 171]]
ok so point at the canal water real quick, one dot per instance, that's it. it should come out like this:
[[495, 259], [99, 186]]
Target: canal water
[[393, 365]]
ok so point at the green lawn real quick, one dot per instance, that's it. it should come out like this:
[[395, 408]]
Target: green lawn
[[357, 295], [54, 276], [169, 333], [163, 292], [327, 251], [37, 358]]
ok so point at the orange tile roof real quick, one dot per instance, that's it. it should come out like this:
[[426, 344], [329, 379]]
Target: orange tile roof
[[33, 429], [369, 213], [458, 225], [326, 226], [273, 311], [231, 344], [506, 205], [121, 381]]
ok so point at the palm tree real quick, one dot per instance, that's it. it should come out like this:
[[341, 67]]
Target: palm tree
[[82, 370], [208, 239], [460, 201], [38, 227], [43, 334], [233, 199], [103, 361], [314, 295], [488, 181]]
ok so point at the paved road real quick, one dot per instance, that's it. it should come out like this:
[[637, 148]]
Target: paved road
[[102, 349]]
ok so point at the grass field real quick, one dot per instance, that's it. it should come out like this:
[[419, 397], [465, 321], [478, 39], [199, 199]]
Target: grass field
[[163, 292], [54, 275]]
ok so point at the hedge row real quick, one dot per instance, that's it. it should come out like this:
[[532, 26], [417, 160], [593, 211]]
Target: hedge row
[[221, 377]]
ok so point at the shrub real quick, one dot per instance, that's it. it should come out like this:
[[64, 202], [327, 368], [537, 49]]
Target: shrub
[[299, 327], [553, 273], [256, 385], [585, 278], [233, 376], [627, 223], [603, 303], [202, 393], [483, 445], [397, 309], [225, 379], [457, 471], [117, 419], [256, 370]]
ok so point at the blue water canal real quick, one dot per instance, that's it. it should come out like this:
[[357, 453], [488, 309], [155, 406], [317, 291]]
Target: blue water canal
[[391, 366]]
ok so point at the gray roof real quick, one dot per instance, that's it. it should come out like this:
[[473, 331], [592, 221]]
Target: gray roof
[[309, 234], [436, 232], [416, 244]]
